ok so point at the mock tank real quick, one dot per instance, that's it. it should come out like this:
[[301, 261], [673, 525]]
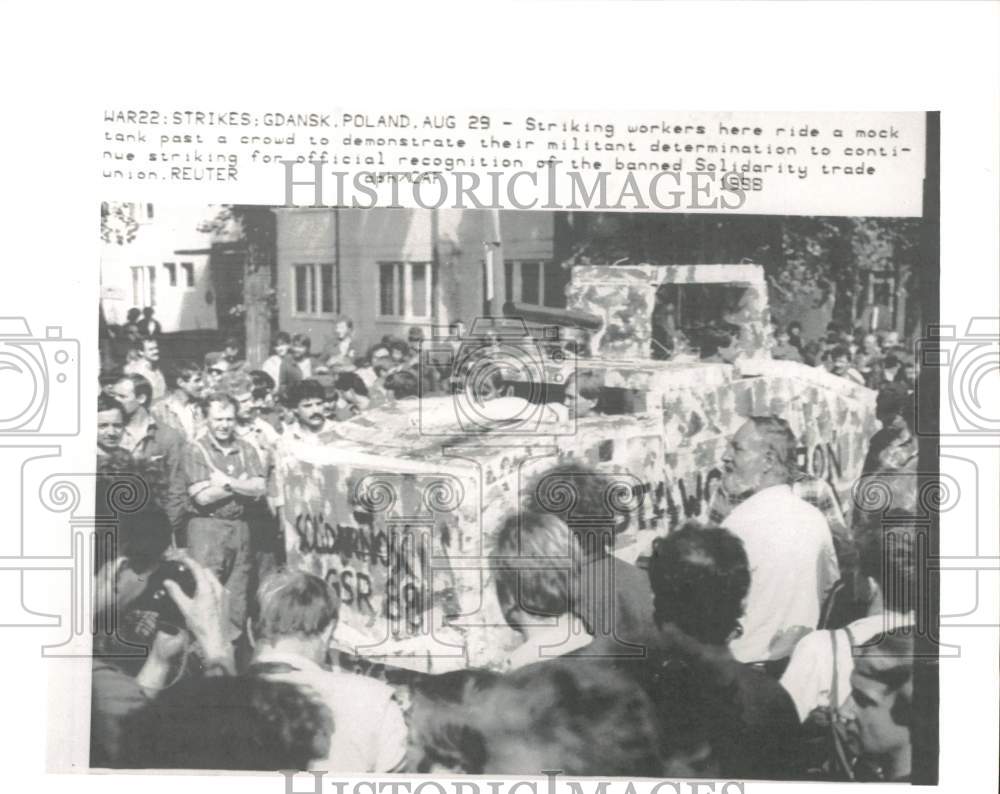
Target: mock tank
[[399, 512]]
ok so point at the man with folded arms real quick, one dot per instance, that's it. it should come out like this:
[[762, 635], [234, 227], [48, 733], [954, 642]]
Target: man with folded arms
[[224, 475]]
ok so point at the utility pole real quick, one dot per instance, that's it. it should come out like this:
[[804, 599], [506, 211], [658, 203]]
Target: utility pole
[[493, 248]]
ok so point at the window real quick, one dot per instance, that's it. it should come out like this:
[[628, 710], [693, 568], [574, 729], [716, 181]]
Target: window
[[420, 291], [683, 314], [171, 268], [188, 268], [143, 286], [314, 288], [536, 283], [405, 289]]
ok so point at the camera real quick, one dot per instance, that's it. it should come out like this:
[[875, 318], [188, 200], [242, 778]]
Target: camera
[[503, 379], [41, 392], [154, 610], [970, 365]]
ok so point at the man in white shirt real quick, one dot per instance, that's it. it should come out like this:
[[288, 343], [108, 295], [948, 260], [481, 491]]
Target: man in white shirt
[[292, 634], [305, 398], [788, 542], [276, 364], [146, 362], [819, 674]]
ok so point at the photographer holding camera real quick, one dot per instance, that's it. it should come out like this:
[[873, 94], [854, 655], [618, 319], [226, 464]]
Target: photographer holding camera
[[147, 604]]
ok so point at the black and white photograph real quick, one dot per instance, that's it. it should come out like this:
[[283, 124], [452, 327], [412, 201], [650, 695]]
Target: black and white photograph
[[500, 492], [511, 398]]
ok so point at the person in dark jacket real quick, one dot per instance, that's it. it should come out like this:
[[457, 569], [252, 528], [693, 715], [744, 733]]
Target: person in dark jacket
[[700, 577]]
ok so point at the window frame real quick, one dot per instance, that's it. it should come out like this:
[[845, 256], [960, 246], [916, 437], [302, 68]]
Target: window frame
[[143, 280], [516, 292], [402, 293], [313, 289]]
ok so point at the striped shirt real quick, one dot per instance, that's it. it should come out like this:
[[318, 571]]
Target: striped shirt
[[204, 456]]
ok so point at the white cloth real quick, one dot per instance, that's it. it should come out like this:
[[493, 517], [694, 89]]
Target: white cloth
[[368, 376], [369, 732], [792, 568], [809, 675]]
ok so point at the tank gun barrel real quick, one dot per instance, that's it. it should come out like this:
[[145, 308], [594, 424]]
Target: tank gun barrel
[[572, 318]]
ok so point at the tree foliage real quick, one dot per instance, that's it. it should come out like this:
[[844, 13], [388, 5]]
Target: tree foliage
[[118, 222], [250, 229], [808, 260], [831, 255]]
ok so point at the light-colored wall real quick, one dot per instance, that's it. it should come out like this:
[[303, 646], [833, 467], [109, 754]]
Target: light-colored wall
[[171, 229], [368, 237]]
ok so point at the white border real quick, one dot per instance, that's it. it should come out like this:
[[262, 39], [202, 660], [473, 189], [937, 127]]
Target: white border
[[64, 62]]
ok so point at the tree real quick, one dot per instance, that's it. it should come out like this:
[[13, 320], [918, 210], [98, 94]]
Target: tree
[[250, 230], [833, 255], [809, 261]]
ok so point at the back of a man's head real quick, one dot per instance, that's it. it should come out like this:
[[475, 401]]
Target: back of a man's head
[[595, 505], [351, 381], [444, 720], [700, 578], [294, 604], [402, 384], [536, 565], [895, 400], [235, 384], [580, 717], [305, 390], [230, 722]]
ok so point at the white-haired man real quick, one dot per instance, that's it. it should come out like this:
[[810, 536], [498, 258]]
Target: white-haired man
[[788, 542]]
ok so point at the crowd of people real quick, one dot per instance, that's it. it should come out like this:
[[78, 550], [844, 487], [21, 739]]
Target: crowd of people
[[774, 640], [875, 360]]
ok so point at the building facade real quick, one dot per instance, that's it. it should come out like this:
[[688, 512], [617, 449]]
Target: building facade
[[166, 266], [393, 269]]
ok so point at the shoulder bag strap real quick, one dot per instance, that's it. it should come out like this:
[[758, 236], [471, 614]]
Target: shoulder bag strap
[[839, 751]]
